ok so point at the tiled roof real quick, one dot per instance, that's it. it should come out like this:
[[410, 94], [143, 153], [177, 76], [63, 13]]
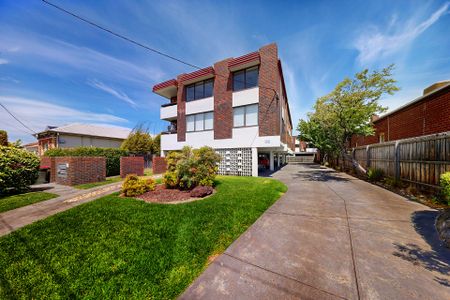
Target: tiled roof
[[93, 130]]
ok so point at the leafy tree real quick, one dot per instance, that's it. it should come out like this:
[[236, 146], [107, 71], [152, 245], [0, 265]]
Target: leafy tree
[[139, 141], [156, 146], [347, 111], [3, 138]]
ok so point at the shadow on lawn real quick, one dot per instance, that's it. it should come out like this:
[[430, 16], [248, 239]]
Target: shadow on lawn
[[438, 258]]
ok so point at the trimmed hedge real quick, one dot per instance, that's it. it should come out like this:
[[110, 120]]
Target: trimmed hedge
[[18, 169], [112, 156]]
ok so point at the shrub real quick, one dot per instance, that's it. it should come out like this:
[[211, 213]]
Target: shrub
[[189, 168], [112, 156], [396, 183], [135, 186], [3, 138], [18, 169], [445, 184], [374, 174]]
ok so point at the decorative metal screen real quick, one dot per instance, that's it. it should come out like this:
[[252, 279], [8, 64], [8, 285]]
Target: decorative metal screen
[[236, 161]]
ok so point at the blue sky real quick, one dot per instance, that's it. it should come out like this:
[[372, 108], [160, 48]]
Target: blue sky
[[56, 70]]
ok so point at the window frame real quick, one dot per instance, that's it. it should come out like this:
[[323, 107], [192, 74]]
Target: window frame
[[193, 86], [203, 119], [245, 78], [245, 115]]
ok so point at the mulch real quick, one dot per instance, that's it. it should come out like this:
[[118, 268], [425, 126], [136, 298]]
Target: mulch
[[163, 195]]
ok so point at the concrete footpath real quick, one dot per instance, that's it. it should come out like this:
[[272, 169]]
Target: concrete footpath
[[69, 197], [332, 236]]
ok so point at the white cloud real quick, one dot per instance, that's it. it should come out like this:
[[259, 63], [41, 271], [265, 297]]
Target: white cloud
[[110, 90], [373, 44], [3, 61], [60, 58], [37, 114]]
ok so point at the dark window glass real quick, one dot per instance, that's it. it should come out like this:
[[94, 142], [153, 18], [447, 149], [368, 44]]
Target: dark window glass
[[199, 90], [245, 79], [190, 93], [251, 77], [208, 88], [239, 80]]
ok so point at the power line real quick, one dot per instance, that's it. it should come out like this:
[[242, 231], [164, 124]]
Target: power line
[[17, 119], [136, 42]]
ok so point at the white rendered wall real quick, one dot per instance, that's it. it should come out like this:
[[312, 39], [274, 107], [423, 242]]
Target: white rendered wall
[[247, 137], [245, 97], [198, 106], [72, 141], [168, 112]]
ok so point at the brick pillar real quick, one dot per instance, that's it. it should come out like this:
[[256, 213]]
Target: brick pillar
[[269, 77], [223, 104], [181, 111]]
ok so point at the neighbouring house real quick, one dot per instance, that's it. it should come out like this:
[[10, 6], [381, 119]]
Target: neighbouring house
[[32, 147], [238, 106], [80, 135], [428, 114]]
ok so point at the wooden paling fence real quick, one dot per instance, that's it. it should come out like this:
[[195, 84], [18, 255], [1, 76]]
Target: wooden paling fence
[[419, 160]]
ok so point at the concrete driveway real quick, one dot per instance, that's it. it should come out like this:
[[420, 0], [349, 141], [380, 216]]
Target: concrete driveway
[[332, 236]]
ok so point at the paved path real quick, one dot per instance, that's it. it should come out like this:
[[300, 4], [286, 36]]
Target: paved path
[[69, 197], [332, 236]]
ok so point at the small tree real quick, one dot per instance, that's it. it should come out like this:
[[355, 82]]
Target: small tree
[[156, 146], [139, 141], [347, 111], [3, 138]]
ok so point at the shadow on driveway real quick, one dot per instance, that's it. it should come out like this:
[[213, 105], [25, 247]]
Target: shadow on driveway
[[436, 260]]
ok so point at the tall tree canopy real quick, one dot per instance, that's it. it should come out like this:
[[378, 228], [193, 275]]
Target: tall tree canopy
[[347, 111], [139, 141]]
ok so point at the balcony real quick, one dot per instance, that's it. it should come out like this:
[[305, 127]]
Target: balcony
[[168, 112]]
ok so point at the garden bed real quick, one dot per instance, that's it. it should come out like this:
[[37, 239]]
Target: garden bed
[[161, 194]]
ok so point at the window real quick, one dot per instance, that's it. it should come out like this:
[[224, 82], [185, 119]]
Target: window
[[245, 79], [199, 90], [382, 137], [245, 115], [200, 122]]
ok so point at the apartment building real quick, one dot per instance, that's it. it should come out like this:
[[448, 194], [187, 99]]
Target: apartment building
[[238, 106]]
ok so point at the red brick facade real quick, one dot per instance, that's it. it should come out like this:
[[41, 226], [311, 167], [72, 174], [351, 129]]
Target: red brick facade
[[181, 112], [131, 165], [159, 165], [429, 115], [223, 105], [269, 100], [80, 169]]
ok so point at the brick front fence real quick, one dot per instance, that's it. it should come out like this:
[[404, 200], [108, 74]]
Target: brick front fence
[[131, 165], [159, 165], [73, 170]]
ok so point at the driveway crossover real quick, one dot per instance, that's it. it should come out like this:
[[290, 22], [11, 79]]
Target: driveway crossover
[[332, 236]]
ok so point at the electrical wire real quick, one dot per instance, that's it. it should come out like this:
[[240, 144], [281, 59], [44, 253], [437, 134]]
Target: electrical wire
[[130, 40], [17, 119]]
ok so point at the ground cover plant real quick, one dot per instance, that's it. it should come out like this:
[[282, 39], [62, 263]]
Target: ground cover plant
[[125, 248], [16, 201]]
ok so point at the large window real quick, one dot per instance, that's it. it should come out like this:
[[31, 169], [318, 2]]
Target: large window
[[200, 122], [245, 79], [245, 115], [199, 90]]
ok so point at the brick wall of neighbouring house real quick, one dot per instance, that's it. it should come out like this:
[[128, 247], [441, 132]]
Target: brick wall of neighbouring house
[[131, 165], [181, 111], [428, 116], [49, 162], [81, 169], [223, 103], [159, 165], [269, 78]]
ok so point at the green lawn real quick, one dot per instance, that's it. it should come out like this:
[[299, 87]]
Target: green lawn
[[125, 248], [148, 172], [108, 180], [16, 201]]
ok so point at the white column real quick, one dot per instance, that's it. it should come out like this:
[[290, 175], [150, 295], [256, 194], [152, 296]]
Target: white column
[[279, 160], [272, 167], [255, 162]]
